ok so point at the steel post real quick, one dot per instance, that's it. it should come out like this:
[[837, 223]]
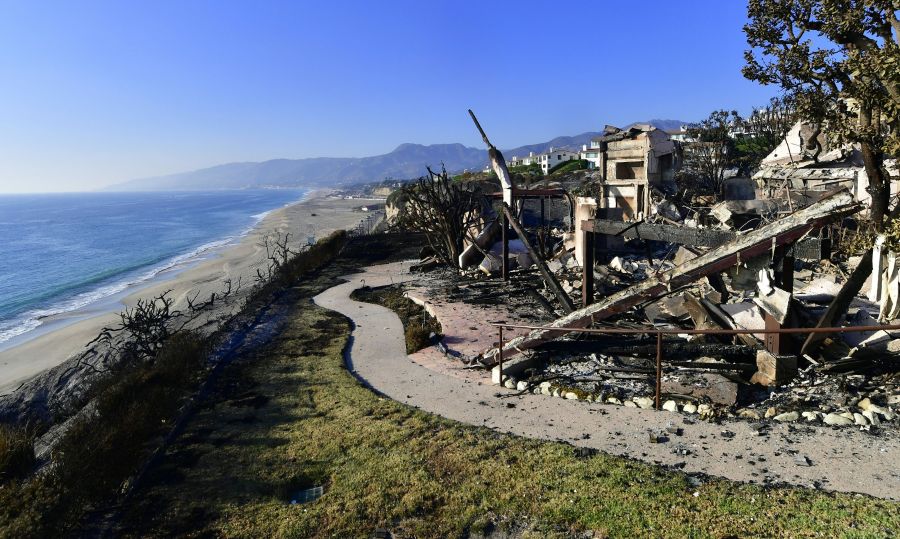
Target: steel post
[[658, 369]]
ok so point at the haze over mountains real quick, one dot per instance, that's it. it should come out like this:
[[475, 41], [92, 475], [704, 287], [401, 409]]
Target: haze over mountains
[[406, 161]]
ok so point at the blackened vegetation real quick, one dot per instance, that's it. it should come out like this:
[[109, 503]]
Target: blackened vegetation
[[278, 254], [444, 211], [16, 451], [144, 328]]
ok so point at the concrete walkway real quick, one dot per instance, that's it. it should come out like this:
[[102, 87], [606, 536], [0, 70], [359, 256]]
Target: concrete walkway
[[843, 459]]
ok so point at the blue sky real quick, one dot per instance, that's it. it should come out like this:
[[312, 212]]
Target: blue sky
[[99, 92]]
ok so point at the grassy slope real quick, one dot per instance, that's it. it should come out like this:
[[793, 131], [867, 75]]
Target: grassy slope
[[294, 417]]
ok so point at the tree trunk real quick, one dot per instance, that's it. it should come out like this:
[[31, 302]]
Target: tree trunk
[[873, 161], [879, 183]]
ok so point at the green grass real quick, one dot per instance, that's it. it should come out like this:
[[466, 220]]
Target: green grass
[[569, 166], [16, 452], [293, 417]]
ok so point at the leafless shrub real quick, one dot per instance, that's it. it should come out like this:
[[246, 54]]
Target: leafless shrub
[[144, 328], [443, 210], [278, 253]]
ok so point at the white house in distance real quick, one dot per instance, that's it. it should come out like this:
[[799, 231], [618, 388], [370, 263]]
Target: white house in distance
[[546, 160], [524, 161], [680, 134], [591, 155], [554, 157]]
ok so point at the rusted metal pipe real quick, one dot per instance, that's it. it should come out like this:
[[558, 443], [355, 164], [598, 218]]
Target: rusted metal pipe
[[504, 237], [500, 355], [659, 370], [630, 331]]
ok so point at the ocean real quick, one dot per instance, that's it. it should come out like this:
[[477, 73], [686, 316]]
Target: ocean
[[63, 252]]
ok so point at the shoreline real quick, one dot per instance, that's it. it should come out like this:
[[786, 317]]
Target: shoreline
[[96, 302], [63, 335]]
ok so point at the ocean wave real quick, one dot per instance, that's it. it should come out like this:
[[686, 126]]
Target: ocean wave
[[31, 320], [260, 216]]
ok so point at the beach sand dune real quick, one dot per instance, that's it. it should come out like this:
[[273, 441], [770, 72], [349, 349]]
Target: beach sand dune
[[65, 335]]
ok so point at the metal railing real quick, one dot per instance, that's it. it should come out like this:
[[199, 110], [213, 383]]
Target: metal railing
[[659, 336]]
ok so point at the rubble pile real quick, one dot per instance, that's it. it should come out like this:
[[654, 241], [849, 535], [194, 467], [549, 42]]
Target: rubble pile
[[723, 306], [715, 376]]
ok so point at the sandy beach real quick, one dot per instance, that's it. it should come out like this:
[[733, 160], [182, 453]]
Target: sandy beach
[[62, 336]]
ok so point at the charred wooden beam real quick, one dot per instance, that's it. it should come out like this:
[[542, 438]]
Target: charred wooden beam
[[675, 348], [754, 243], [684, 235], [838, 306], [808, 248], [549, 278], [504, 238], [498, 163], [741, 367]]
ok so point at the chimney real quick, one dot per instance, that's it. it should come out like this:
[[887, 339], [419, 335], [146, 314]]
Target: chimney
[[530, 154], [584, 147]]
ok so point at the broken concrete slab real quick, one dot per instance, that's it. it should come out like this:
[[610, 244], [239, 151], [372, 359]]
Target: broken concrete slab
[[773, 300], [682, 255], [746, 315], [774, 370], [671, 307]]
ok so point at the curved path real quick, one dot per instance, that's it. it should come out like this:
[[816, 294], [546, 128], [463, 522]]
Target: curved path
[[811, 456]]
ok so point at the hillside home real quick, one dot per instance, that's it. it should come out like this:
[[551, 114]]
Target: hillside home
[[680, 135], [516, 161], [631, 162], [549, 160], [546, 160], [591, 155]]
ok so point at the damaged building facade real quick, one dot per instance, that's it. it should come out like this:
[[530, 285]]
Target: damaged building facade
[[805, 166], [631, 162]]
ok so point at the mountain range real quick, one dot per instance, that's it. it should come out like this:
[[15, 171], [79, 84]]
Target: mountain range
[[406, 161]]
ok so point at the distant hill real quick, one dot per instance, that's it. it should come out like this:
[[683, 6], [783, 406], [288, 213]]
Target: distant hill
[[406, 161], [569, 143]]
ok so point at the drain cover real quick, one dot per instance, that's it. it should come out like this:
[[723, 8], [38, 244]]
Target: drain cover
[[308, 495]]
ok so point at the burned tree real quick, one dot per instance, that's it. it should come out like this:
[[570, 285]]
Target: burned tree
[[278, 254], [838, 63], [144, 328], [443, 210], [712, 152]]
